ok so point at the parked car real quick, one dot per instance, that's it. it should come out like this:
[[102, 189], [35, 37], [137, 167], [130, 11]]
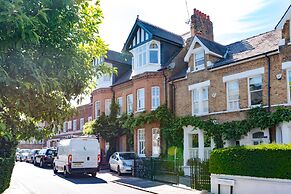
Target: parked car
[[45, 157], [22, 155], [78, 155], [122, 162], [32, 154]]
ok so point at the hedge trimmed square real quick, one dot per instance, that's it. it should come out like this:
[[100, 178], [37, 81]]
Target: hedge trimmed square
[[268, 161]]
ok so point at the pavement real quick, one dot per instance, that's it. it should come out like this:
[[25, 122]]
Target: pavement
[[28, 179]]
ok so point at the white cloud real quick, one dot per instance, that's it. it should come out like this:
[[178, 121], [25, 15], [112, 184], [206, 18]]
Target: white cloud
[[228, 16]]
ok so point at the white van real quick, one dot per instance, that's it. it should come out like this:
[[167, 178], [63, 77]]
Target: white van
[[78, 155]]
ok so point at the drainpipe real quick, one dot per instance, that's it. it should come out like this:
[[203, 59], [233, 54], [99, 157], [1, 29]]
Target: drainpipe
[[271, 132], [165, 89]]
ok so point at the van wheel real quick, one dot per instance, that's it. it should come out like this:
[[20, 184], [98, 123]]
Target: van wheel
[[118, 171], [55, 169], [66, 174], [93, 174]]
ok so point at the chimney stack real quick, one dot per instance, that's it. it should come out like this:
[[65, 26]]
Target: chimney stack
[[201, 25]]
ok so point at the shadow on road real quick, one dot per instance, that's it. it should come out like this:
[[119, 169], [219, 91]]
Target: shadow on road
[[82, 179]]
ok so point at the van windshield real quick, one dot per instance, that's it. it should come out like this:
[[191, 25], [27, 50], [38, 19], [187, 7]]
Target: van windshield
[[127, 156]]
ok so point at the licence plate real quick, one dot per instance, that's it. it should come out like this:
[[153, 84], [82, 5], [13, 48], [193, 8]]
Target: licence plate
[[77, 164]]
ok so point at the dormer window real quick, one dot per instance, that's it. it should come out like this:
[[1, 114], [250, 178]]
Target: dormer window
[[199, 60], [154, 53]]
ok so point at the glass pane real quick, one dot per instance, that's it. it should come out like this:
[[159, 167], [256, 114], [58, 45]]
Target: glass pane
[[196, 107], [205, 106], [195, 141], [154, 57], [256, 97], [256, 83], [195, 95], [205, 93]]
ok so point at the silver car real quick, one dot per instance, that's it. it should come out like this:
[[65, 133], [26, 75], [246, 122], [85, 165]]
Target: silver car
[[23, 155], [122, 162]]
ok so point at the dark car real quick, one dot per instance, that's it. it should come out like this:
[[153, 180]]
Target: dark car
[[31, 155], [45, 157]]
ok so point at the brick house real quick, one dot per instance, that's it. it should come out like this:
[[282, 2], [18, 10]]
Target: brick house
[[141, 83], [224, 81], [72, 126]]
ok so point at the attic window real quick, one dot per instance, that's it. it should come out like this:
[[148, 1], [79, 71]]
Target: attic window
[[154, 53], [199, 60]]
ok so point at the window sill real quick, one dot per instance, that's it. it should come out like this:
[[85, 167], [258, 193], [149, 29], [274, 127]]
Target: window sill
[[139, 111], [200, 114], [195, 71]]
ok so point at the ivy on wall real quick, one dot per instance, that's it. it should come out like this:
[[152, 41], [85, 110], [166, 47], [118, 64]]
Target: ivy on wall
[[172, 127]]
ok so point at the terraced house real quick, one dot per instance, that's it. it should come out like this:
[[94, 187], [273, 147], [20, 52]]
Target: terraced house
[[222, 82], [141, 83]]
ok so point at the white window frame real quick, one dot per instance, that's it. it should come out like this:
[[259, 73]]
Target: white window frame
[[75, 125], [288, 85], [69, 125], [249, 92], [97, 109], [199, 88], [82, 122], [119, 102], [129, 105], [155, 50], [156, 131], [155, 97], [140, 100], [196, 52], [232, 101], [141, 142], [107, 105]]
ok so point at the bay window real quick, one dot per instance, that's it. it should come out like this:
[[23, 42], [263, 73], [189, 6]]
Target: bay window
[[232, 95], [140, 99], [255, 90]]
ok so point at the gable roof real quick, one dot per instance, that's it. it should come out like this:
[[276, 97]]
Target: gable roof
[[154, 31], [285, 17], [210, 47]]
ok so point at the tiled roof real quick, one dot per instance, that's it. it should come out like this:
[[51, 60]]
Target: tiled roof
[[162, 33], [123, 78], [118, 57], [238, 51], [213, 46], [251, 47]]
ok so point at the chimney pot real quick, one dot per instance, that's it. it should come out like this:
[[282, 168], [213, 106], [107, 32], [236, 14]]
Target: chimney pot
[[201, 24]]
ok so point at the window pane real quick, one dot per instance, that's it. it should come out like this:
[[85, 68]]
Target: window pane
[[256, 97], [256, 83], [154, 57], [289, 80], [233, 95], [205, 93]]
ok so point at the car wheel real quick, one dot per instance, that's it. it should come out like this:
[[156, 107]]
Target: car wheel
[[55, 169], [66, 174], [41, 164], [118, 171], [93, 174], [34, 162]]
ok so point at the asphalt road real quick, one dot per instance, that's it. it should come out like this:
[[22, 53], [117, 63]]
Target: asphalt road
[[28, 179]]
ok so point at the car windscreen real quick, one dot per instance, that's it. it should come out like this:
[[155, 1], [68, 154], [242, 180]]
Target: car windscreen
[[127, 156], [51, 152]]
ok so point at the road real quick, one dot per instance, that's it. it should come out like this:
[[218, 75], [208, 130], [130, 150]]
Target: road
[[29, 179]]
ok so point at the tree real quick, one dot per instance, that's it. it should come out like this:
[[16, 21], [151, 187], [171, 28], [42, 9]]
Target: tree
[[46, 52], [109, 127]]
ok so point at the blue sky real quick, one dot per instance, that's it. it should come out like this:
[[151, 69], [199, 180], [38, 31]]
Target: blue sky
[[233, 20]]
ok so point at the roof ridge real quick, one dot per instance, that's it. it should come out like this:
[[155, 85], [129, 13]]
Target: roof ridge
[[160, 28], [253, 36], [211, 40]]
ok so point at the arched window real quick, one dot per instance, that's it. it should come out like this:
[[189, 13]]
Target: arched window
[[154, 53]]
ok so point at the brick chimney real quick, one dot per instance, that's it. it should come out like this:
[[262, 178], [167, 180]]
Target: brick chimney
[[201, 25]]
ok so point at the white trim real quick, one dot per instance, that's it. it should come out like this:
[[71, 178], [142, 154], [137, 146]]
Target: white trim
[[191, 51], [287, 16], [199, 85], [286, 65], [244, 74], [138, 148]]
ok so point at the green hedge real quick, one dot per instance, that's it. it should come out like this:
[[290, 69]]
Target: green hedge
[[269, 161], [6, 167]]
